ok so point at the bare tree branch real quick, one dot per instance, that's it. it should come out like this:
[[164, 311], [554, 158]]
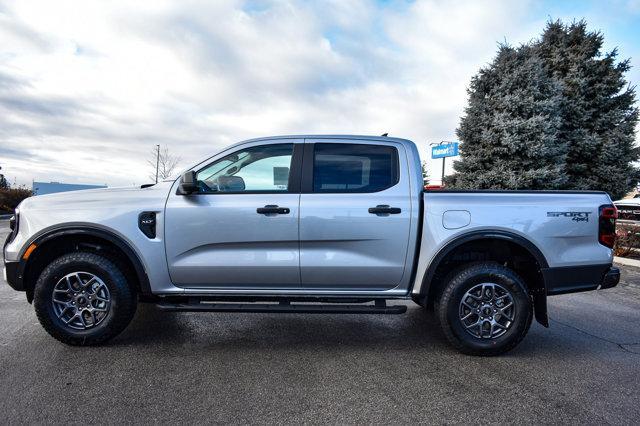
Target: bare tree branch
[[167, 164]]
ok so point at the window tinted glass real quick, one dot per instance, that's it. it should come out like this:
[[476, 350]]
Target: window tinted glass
[[354, 167], [259, 168]]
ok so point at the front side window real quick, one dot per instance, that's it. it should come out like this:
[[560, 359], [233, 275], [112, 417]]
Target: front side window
[[262, 168], [354, 167]]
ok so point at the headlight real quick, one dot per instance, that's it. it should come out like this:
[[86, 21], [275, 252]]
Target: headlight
[[14, 221]]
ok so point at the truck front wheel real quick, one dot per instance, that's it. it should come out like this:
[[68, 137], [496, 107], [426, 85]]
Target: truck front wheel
[[484, 309], [83, 299]]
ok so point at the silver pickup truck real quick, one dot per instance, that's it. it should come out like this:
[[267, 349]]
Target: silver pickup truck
[[309, 224]]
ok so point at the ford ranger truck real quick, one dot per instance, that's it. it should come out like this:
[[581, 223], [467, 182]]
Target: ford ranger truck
[[309, 224]]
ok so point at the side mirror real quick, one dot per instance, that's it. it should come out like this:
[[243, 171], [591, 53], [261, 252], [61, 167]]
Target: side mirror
[[188, 183]]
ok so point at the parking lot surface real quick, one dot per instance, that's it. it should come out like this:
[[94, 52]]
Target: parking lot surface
[[292, 368]]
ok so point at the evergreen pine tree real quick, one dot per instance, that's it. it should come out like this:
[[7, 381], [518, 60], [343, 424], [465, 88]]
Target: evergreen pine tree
[[511, 126], [3, 182], [598, 111], [553, 114]]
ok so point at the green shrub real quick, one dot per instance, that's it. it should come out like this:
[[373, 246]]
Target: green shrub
[[11, 197]]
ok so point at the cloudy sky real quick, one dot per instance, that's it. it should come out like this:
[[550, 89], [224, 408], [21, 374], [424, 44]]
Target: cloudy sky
[[87, 89]]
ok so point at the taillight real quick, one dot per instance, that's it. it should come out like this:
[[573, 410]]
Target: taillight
[[607, 225]]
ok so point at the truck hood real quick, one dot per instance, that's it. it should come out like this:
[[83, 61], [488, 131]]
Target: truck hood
[[95, 197]]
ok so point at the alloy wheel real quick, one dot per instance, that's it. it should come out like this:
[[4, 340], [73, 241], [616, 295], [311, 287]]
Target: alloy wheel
[[81, 300], [487, 311]]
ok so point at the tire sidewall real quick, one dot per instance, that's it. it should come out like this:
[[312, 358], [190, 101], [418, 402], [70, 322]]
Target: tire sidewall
[[103, 268], [467, 279]]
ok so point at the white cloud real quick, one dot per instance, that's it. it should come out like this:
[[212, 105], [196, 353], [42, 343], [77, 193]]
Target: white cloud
[[86, 88]]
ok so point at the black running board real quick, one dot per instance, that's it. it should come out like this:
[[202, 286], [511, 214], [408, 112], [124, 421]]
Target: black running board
[[284, 307]]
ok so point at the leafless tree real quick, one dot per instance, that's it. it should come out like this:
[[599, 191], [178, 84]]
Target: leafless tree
[[165, 162]]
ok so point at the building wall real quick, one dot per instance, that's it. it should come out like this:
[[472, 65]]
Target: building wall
[[41, 188]]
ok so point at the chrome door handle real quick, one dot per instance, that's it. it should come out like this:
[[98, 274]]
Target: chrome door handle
[[273, 209], [384, 209]]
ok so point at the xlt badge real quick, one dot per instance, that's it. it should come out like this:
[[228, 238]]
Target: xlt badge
[[147, 224]]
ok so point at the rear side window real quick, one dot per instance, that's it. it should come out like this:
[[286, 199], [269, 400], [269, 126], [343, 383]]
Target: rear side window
[[354, 167]]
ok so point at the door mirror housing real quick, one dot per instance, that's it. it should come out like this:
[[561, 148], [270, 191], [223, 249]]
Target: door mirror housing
[[188, 183]]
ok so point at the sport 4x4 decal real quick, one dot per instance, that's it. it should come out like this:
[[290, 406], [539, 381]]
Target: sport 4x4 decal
[[575, 216]]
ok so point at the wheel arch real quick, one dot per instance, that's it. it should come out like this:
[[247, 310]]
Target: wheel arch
[[80, 236], [443, 263]]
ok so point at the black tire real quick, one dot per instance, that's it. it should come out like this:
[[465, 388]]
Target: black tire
[[123, 300], [448, 307]]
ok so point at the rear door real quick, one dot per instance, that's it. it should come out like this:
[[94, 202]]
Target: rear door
[[355, 215]]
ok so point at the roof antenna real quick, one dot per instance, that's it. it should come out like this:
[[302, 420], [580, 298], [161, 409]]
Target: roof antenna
[[385, 134]]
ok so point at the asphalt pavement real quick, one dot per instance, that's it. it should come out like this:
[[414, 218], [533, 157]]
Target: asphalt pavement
[[295, 368]]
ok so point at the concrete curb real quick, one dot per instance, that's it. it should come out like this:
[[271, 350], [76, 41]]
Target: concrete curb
[[626, 261]]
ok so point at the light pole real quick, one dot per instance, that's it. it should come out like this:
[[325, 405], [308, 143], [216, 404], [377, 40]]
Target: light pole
[[158, 161], [443, 161]]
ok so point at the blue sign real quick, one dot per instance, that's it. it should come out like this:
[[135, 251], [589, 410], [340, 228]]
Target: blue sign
[[449, 149]]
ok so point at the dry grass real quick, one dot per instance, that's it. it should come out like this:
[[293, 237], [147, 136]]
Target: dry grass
[[627, 240]]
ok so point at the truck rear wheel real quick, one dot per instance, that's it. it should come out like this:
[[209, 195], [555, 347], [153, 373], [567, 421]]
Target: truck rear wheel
[[83, 299], [484, 309]]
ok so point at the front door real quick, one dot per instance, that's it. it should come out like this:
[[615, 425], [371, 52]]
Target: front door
[[355, 215], [240, 231]]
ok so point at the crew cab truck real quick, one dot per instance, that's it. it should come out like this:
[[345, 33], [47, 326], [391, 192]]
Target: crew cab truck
[[309, 224]]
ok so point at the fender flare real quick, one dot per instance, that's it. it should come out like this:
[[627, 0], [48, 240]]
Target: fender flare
[[540, 297], [112, 237]]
